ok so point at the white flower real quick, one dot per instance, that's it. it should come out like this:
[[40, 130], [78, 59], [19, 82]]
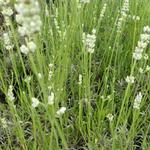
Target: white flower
[[141, 70], [147, 68], [51, 66], [22, 30], [50, 71], [50, 87], [110, 117], [137, 101], [10, 94], [142, 44], [19, 19], [103, 11], [130, 79], [146, 56], [31, 46], [146, 29], [89, 41], [140, 47], [51, 99], [124, 12], [24, 49], [9, 47], [2, 2], [145, 37], [27, 79], [7, 41], [61, 111], [136, 18], [137, 56], [6, 38], [39, 75], [28, 17], [35, 102], [80, 79], [7, 11]]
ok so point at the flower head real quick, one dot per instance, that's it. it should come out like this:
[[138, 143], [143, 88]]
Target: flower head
[[103, 11], [61, 111], [28, 17], [51, 99], [124, 13], [142, 44], [24, 49], [10, 93], [130, 79], [7, 40], [147, 68], [141, 70], [80, 79], [35, 102], [110, 117], [89, 41], [39, 75], [31, 46], [137, 101], [7, 11]]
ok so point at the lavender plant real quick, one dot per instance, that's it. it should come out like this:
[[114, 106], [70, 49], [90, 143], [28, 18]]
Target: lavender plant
[[74, 74]]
